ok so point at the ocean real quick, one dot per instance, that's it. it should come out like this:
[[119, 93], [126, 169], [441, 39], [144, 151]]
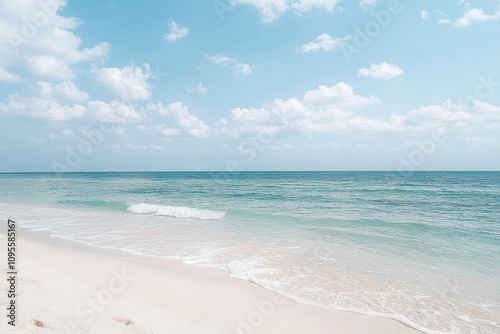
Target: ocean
[[422, 248]]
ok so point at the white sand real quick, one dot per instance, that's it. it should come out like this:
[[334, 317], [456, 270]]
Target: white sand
[[72, 288]]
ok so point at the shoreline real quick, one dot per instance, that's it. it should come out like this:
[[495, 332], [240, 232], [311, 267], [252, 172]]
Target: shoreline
[[69, 287]]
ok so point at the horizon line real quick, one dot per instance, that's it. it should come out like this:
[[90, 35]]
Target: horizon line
[[247, 171]]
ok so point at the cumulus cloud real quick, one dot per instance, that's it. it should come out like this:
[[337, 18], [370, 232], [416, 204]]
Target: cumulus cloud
[[334, 109], [65, 91], [384, 71], [471, 15], [41, 108], [238, 68], [242, 69], [128, 83], [303, 6], [323, 42], [340, 95], [463, 114], [63, 102], [327, 109], [50, 48], [50, 67], [176, 32], [181, 121], [114, 111], [270, 10]]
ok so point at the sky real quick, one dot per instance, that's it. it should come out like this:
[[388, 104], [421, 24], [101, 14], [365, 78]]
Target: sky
[[234, 85]]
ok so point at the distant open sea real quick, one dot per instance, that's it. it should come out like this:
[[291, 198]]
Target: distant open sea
[[422, 248]]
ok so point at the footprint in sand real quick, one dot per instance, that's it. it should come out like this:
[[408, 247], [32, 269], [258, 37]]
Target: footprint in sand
[[126, 322], [39, 323]]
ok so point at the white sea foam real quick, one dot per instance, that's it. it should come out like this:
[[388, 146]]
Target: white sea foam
[[245, 270], [175, 211]]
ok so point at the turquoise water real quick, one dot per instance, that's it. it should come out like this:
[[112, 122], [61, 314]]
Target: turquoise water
[[423, 248]]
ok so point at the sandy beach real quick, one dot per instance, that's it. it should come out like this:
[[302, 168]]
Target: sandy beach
[[66, 287]]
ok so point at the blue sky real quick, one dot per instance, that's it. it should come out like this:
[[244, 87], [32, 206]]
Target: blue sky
[[249, 85]]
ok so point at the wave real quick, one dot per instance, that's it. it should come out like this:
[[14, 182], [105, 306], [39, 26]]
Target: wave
[[175, 211]]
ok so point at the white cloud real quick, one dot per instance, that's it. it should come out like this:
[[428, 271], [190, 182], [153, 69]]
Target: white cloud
[[176, 32], [63, 102], [333, 109], [41, 108], [367, 4], [182, 122], [471, 15], [50, 67], [222, 59], [48, 52], [384, 71], [142, 147], [68, 133], [243, 69], [128, 83], [271, 9], [445, 21], [49, 47], [323, 42], [303, 6], [327, 109], [8, 76], [458, 115], [340, 95], [66, 91], [200, 89], [114, 111], [424, 15], [238, 68]]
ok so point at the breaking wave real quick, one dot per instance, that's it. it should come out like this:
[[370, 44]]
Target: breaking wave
[[175, 211]]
